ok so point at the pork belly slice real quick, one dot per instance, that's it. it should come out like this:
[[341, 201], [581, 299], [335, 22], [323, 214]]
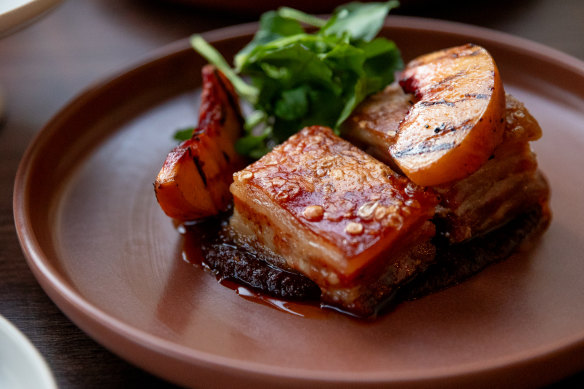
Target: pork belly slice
[[330, 211], [374, 124], [504, 187]]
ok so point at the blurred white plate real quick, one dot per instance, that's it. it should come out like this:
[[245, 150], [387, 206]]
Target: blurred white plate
[[17, 13], [21, 365]]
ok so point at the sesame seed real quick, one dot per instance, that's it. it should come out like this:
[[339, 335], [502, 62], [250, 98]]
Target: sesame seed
[[278, 181], [394, 221], [366, 210], [333, 279], [337, 174], [380, 212], [354, 228], [313, 212], [246, 175], [320, 172]]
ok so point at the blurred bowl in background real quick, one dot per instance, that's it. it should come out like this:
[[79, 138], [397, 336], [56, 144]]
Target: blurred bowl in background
[[22, 366], [15, 14]]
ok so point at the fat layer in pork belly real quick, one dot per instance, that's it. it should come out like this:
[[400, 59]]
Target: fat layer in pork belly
[[335, 214], [504, 187], [507, 185]]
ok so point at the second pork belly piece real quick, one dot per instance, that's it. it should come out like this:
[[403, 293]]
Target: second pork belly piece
[[507, 185], [504, 187], [338, 216], [374, 124]]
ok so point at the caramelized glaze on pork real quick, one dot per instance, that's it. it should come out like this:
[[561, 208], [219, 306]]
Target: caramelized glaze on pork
[[337, 215]]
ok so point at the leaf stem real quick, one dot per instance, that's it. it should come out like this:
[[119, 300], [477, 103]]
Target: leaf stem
[[248, 92], [291, 13]]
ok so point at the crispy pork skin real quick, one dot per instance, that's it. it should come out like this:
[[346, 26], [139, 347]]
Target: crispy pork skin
[[335, 214]]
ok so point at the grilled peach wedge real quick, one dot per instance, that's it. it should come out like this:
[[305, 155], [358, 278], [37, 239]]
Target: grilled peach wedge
[[457, 119], [194, 180]]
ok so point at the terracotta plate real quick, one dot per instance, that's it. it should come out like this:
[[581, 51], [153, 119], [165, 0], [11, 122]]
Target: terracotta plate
[[111, 260]]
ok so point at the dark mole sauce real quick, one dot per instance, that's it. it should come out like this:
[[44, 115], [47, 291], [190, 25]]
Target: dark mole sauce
[[248, 272], [209, 245]]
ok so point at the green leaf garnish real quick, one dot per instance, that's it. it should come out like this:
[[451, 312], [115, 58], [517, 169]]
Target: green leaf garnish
[[299, 16], [362, 21], [298, 79]]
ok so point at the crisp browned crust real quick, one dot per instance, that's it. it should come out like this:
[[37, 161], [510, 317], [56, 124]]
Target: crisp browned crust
[[337, 215]]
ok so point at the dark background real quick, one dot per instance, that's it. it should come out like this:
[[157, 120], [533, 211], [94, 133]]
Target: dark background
[[44, 65]]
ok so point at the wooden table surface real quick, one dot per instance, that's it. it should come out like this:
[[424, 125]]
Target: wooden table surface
[[46, 64]]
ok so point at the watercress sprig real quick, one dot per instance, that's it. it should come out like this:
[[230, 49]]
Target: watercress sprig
[[297, 78]]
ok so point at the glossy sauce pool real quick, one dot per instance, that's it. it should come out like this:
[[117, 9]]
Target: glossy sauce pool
[[197, 236]]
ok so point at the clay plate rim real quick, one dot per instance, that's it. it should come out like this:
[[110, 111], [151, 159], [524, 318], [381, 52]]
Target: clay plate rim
[[81, 310]]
